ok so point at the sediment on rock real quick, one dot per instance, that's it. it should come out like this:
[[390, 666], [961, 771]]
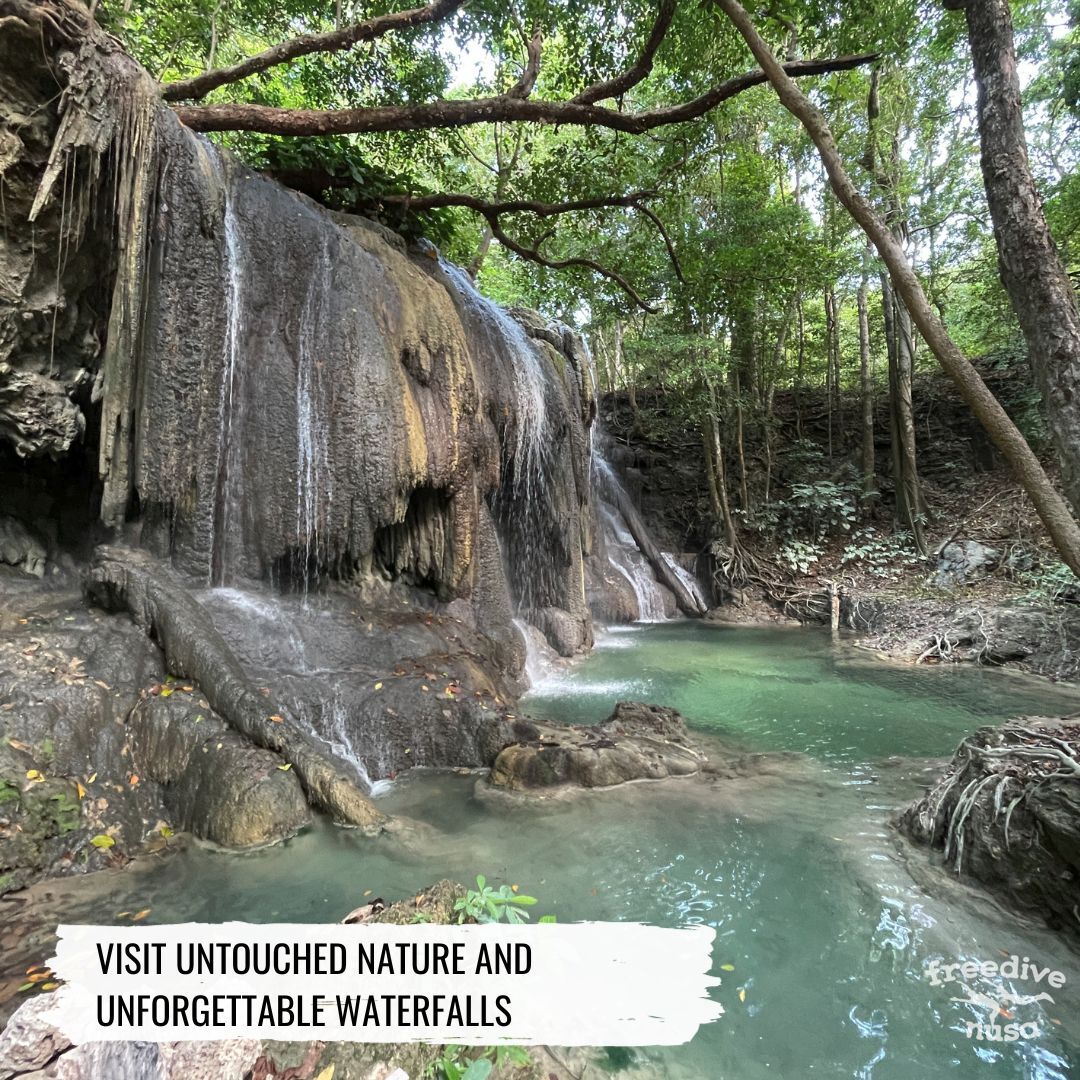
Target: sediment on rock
[[1006, 813], [637, 742], [132, 580]]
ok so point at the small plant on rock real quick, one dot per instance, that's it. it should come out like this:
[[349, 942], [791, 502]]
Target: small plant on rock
[[487, 905]]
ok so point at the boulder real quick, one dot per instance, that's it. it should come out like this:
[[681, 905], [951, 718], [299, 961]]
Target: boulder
[[962, 560], [216, 784], [637, 742], [19, 547], [1006, 813]]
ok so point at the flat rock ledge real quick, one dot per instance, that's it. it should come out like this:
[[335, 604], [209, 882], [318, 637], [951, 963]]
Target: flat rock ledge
[[1006, 813], [637, 742]]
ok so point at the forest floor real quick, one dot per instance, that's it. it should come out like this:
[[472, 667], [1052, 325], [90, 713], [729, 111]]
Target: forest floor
[[1021, 607]]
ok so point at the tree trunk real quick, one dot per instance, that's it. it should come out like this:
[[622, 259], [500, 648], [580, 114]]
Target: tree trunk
[[1031, 268], [910, 505], [1051, 507], [866, 385]]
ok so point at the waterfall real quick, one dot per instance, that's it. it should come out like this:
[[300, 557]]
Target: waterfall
[[622, 552], [530, 384], [228, 537], [538, 656], [688, 579], [314, 477], [624, 556], [519, 506]]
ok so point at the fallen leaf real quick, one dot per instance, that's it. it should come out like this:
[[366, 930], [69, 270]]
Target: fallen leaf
[[91, 778], [133, 779], [187, 689], [286, 767], [25, 987], [166, 691], [742, 994], [32, 968], [140, 915], [34, 775], [276, 719], [49, 985], [16, 745], [513, 888], [378, 686], [103, 685], [327, 1073], [80, 790], [727, 967], [39, 976], [102, 841]]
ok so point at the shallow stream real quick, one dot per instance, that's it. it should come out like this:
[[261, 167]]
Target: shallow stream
[[824, 920]]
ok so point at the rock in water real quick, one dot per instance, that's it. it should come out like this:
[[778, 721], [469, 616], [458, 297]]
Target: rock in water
[[637, 742], [1006, 813]]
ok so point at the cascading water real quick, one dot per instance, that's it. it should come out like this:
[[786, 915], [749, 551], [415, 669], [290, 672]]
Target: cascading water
[[622, 552], [314, 477], [519, 505], [228, 508], [624, 556], [692, 584]]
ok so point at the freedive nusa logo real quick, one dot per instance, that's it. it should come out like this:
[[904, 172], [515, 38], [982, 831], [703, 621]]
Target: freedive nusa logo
[[997, 997]]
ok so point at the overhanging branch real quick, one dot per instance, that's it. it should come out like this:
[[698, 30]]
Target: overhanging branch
[[493, 212], [504, 108]]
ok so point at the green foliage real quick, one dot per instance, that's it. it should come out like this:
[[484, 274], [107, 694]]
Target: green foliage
[[883, 555], [336, 170], [457, 1064], [487, 905], [1051, 584], [798, 555]]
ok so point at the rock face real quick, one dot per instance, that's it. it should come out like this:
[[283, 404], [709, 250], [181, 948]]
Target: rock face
[[277, 392], [98, 741], [320, 469], [1006, 813], [637, 742]]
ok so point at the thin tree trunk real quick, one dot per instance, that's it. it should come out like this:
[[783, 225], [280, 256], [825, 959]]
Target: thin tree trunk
[[1051, 507], [1031, 268], [720, 481], [866, 384]]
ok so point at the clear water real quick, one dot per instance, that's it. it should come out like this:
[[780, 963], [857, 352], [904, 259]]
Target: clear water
[[813, 898]]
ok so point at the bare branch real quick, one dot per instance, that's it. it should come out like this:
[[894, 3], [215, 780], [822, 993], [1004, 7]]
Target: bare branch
[[462, 113], [533, 255], [493, 212], [330, 41], [654, 218], [618, 86], [513, 206]]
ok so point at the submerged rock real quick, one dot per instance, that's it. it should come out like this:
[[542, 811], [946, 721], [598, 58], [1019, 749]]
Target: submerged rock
[[1006, 813], [637, 742]]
